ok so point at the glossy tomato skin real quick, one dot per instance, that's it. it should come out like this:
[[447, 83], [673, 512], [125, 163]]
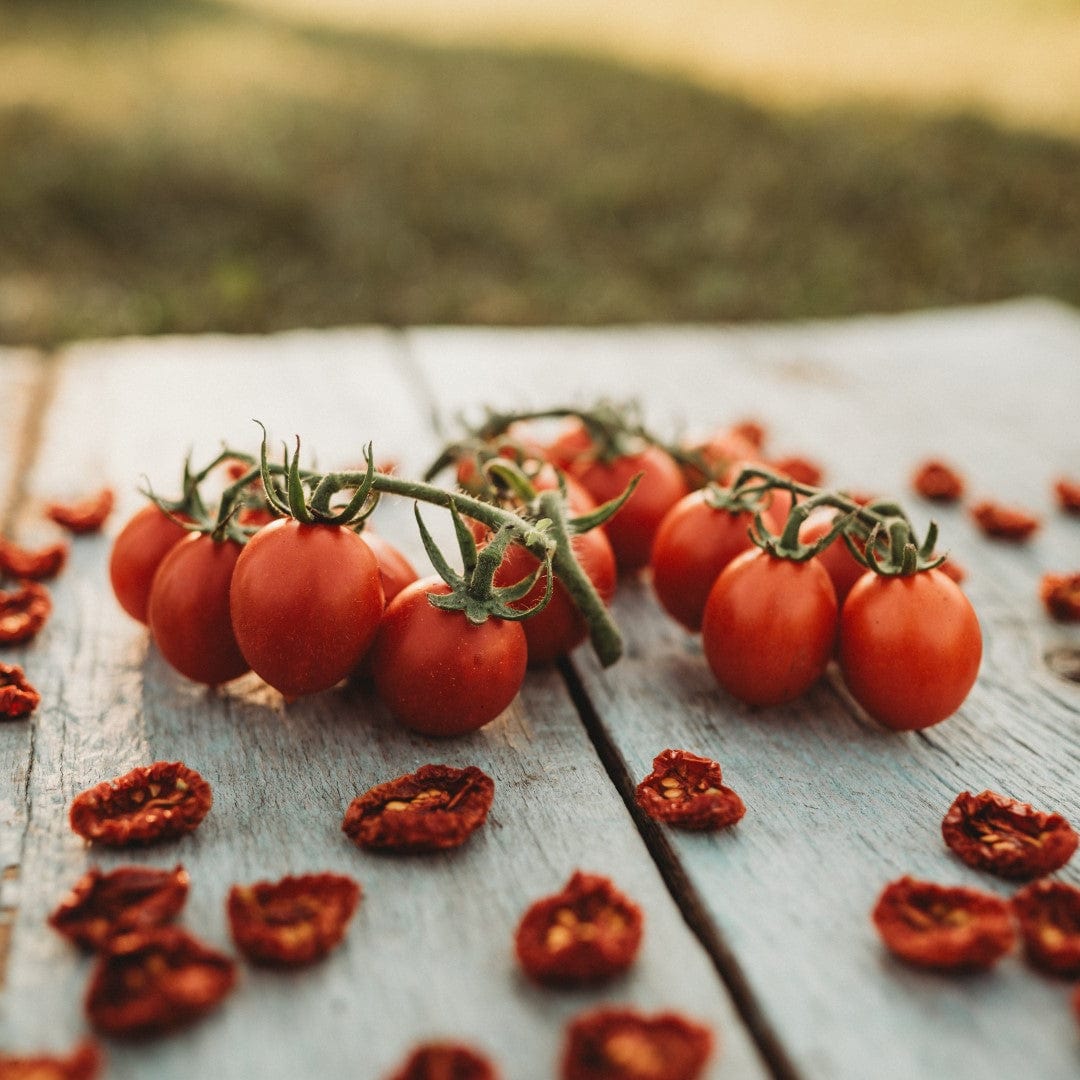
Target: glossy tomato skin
[[694, 543], [306, 602], [843, 568], [437, 672], [910, 647], [188, 610], [560, 627], [136, 554], [769, 627], [395, 571], [633, 529]]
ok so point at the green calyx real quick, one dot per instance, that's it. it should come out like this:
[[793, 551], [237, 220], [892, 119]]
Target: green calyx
[[891, 549]]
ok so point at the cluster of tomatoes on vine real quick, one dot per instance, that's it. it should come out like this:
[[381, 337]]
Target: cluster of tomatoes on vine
[[286, 577]]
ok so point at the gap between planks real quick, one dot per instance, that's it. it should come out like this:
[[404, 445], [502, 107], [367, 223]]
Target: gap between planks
[[683, 892]]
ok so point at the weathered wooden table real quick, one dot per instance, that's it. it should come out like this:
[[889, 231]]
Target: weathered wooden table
[[762, 931]]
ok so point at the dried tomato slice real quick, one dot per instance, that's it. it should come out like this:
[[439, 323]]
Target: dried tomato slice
[[685, 790], [1007, 837], [23, 612], [151, 981], [934, 479], [1049, 916], [100, 906], [588, 932], [1060, 593], [1068, 494], [154, 802], [1004, 522], [84, 516], [85, 1062], [622, 1044], [294, 921], [445, 1061], [17, 697], [434, 808], [20, 562], [935, 926]]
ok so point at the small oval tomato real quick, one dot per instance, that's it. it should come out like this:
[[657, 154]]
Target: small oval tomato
[[694, 543], [137, 553], [306, 602], [909, 647], [438, 673], [188, 612], [560, 627], [769, 627], [843, 568], [395, 571]]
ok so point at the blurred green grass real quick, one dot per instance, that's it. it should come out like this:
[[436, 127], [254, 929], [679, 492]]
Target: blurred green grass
[[183, 167]]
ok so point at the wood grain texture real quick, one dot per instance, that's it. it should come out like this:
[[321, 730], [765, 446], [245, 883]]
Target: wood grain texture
[[429, 953], [837, 806]]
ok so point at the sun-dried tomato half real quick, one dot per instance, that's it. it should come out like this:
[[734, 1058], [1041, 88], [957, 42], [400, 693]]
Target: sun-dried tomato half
[[800, 469], [1060, 594], [151, 981], [445, 1061], [84, 516], [154, 802], [685, 790], [1049, 916], [100, 906], [1067, 493], [622, 1044], [23, 612], [1007, 837], [17, 697], [20, 562], [935, 926], [434, 808], [588, 932], [934, 479], [1004, 522], [294, 921], [85, 1062]]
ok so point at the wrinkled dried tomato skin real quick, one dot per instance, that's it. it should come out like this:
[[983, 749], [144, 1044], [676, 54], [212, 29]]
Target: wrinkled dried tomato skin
[[621, 1044], [938, 481], [1060, 594], [37, 565], [85, 1062], [435, 808], [24, 610], [1004, 522], [1049, 916], [150, 803], [943, 928], [686, 791], [445, 1061], [1006, 837], [294, 921], [84, 516], [1067, 493], [99, 906], [18, 698], [586, 933], [152, 981]]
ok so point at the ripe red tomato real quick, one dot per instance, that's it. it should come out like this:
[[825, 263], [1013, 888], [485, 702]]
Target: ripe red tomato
[[306, 602], [693, 544], [560, 627], [136, 554], [843, 568], [909, 647], [438, 673], [395, 571], [769, 627], [189, 610]]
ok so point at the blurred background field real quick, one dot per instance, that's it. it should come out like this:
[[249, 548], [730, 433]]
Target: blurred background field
[[260, 164]]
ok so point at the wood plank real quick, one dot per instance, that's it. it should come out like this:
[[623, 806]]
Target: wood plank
[[430, 951], [837, 807]]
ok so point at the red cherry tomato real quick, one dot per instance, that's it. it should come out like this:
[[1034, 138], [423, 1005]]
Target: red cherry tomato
[[438, 673], [306, 602], [909, 647], [560, 627], [843, 568], [395, 571], [694, 543], [136, 554], [769, 627], [188, 610]]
